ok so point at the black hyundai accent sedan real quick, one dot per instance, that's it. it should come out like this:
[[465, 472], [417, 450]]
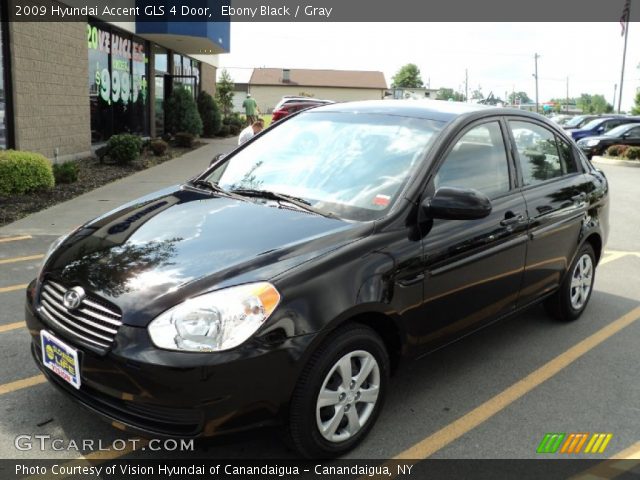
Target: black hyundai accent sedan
[[285, 283]]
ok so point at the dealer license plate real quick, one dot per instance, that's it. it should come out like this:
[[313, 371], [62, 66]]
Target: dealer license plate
[[60, 358]]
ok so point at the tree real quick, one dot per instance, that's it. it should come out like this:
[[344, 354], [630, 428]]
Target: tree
[[224, 92], [636, 108], [449, 94], [209, 114], [408, 77], [477, 94], [519, 97], [593, 104], [182, 113]]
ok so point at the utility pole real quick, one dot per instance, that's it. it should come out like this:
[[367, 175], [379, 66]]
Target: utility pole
[[615, 91], [466, 85], [535, 58], [626, 13]]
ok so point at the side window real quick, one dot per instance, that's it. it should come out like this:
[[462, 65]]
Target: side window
[[569, 164], [634, 133], [538, 152], [478, 160], [611, 124]]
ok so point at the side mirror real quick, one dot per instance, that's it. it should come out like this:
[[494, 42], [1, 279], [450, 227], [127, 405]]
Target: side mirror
[[457, 204], [218, 157]]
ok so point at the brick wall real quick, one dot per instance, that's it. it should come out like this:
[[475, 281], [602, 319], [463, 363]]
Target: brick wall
[[208, 78], [49, 63]]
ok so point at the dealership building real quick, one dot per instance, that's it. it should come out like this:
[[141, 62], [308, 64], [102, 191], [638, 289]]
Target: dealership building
[[66, 87]]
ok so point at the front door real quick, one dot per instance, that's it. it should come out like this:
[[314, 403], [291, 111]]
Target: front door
[[473, 268]]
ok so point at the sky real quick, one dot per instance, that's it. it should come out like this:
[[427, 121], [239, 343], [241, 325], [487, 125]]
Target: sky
[[499, 57]]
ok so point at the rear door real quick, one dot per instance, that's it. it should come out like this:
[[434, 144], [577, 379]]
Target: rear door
[[473, 268], [555, 191]]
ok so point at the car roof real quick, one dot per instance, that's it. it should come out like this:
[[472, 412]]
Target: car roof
[[439, 110], [604, 119], [304, 99], [305, 104]]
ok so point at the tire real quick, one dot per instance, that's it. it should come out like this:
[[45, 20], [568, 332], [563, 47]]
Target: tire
[[568, 303], [348, 350]]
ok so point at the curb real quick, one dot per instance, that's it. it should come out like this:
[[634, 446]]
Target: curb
[[619, 163]]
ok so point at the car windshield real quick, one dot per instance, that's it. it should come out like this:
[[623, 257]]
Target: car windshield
[[593, 124], [574, 122], [619, 131], [352, 165]]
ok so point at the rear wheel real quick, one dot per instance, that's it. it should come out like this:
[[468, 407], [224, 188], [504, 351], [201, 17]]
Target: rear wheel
[[571, 299], [339, 394]]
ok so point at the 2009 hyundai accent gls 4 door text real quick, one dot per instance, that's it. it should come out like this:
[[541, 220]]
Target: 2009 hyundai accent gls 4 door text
[[284, 283]]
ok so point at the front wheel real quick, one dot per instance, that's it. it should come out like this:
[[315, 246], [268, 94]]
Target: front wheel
[[339, 394], [571, 299]]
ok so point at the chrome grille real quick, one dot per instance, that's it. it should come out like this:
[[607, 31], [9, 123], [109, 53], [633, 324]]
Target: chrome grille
[[94, 321]]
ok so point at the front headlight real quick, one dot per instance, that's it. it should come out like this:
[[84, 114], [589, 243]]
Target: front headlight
[[592, 143], [215, 321]]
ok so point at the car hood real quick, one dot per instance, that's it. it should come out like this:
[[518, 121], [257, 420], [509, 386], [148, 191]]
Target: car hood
[[582, 133], [149, 255], [601, 138]]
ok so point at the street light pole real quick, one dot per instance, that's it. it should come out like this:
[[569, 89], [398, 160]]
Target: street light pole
[[466, 85], [535, 57]]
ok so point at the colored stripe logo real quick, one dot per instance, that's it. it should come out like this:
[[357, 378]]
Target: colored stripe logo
[[573, 443]]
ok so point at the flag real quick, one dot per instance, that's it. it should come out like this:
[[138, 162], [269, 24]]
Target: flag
[[624, 19]]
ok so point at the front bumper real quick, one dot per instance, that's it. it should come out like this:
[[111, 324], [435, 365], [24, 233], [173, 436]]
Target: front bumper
[[149, 391], [590, 151]]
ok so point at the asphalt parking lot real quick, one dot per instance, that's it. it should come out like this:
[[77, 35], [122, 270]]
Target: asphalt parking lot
[[494, 394]]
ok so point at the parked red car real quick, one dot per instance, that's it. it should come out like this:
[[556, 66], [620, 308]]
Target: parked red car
[[291, 107]]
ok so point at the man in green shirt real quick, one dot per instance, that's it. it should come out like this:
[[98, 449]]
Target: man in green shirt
[[250, 109]]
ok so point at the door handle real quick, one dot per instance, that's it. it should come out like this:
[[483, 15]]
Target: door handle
[[511, 218], [581, 197], [405, 282]]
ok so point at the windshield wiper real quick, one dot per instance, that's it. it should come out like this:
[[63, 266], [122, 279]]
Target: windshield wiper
[[214, 187], [298, 202]]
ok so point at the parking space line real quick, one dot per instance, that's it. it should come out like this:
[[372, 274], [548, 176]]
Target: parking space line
[[611, 256], [11, 326], [20, 259], [619, 464], [631, 453], [448, 434], [21, 384], [13, 288], [15, 239]]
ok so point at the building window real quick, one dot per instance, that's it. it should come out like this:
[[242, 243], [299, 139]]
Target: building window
[[160, 59], [186, 72], [118, 83], [161, 71]]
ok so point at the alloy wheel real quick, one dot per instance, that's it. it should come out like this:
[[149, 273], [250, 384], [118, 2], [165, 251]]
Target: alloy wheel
[[581, 281], [348, 396]]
